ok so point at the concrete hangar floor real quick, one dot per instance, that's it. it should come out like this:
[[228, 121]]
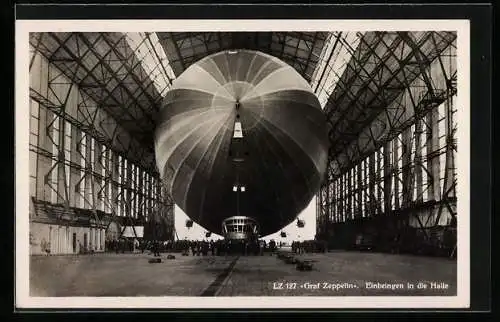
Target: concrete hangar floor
[[335, 273]]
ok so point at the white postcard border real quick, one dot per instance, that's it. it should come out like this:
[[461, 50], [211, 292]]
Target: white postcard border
[[24, 300]]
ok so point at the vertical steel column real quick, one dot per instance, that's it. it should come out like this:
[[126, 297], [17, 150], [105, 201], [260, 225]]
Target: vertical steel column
[[372, 196], [448, 194], [407, 170], [418, 172], [387, 178], [87, 114], [359, 193], [58, 91], [319, 200], [332, 218]]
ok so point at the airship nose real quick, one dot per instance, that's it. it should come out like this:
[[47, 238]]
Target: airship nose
[[227, 105]]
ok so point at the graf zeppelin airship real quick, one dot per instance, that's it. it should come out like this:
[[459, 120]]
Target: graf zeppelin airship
[[241, 143]]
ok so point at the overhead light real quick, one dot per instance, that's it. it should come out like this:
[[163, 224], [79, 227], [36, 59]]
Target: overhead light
[[242, 188], [238, 132], [235, 188], [231, 52]]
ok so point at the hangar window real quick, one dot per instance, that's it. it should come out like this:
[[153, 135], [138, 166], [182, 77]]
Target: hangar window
[[108, 185], [83, 152], [424, 164], [153, 58], [103, 162], [54, 137], [125, 171]]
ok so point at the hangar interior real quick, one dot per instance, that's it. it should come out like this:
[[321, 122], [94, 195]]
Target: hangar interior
[[389, 99]]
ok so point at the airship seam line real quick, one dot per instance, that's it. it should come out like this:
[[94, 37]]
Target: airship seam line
[[210, 167], [264, 122], [171, 150], [274, 153], [188, 154], [268, 121]]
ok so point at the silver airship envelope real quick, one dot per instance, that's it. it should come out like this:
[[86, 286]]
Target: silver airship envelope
[[241, 133]]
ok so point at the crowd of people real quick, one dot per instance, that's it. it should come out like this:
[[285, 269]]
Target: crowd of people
[[192, 247], [229, 247], [309, 246], [122, 245], [218, 247]]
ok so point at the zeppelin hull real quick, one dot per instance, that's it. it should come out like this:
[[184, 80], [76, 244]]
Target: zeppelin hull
[[241, 134]]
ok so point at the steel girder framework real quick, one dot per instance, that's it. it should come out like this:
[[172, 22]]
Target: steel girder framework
[[95, 163], [380, 70], [393, 133], [106, 68], [300, 50]]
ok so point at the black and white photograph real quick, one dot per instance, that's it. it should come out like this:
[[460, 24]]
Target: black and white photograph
[[180, 164]]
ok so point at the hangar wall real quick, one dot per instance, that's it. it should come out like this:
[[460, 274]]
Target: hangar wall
[[80, 158], [395, 183]]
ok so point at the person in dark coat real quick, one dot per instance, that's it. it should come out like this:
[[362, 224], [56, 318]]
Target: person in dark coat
[[156, 248], [212, 247]]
